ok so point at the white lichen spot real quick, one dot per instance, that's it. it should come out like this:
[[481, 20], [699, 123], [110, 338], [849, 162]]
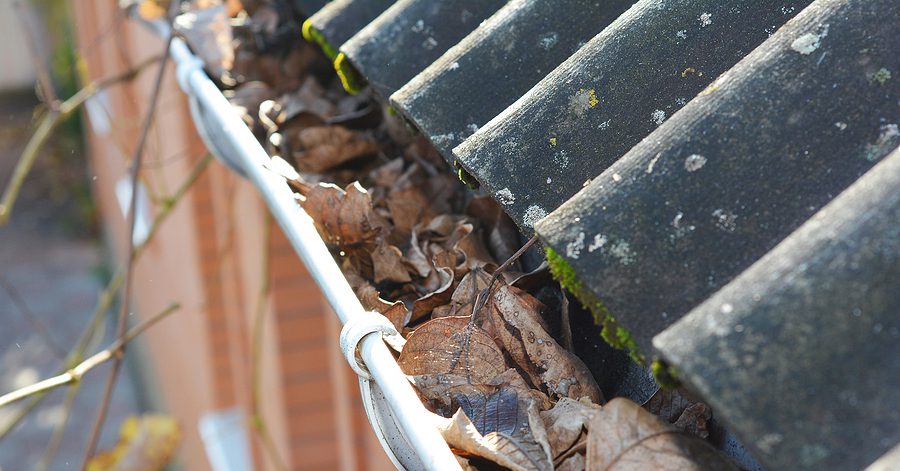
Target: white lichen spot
[[680, 229], [418, 26], [622, 252], [444, 139], [583, 100], [453, 66], [681, 34], [653, 163], [727, 308], [505, 197], [658, 116], [546, 41], [533, 214], [605, 124], [472, 127], [888, 139], [725, 220], [599, 241], [769, 441], [787, 10], [809, 42], [840, 125], [705, 19], [429, 43], [549, 180], [694, 162], [561, 158], [574, 248], [616, 177]]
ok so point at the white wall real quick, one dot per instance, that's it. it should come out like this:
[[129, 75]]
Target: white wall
[[16, 67]]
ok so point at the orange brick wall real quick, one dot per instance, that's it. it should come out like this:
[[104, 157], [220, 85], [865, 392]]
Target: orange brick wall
[[208, 258]]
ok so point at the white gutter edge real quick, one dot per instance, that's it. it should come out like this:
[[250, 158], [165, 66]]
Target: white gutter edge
[[391, 403]]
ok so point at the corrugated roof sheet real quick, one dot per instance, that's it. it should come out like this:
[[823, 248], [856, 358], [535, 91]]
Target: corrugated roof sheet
[[801, 353], [685, 193], [496, 64], [406, 38], [736, 170]]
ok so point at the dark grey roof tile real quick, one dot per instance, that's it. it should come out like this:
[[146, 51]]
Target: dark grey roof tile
[[738, 169], [339, 20], [309, 7], [801, 353], [406, 38], [501, 60], [613, 92]]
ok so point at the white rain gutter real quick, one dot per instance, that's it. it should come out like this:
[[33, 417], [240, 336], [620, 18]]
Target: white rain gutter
[[404, 427]]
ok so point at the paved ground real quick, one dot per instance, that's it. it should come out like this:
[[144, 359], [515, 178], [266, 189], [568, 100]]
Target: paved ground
[[55, 266]]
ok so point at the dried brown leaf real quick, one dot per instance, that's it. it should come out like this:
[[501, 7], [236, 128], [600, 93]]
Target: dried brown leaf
[[439, 297], [518, 451], [502, 233], [677, 407], [566, 422], [516, 319], [409, 206], [309, 98], [343, 218], [319, 148], [447, 346], [396, 312], [146, 443], [208, 32], [575, 462], [511, 378], [694, 420], [387, 262], [624, 437]]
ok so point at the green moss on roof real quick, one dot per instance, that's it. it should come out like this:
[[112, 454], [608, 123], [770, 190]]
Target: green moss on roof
[[666, 375], [350, 78], [614, 334], [311, 34]]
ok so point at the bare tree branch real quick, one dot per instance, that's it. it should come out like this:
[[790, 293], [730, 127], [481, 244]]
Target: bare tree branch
[[109, 293], [39, 327], [49, 122], [75, 374], [257, 420], [48, 92]]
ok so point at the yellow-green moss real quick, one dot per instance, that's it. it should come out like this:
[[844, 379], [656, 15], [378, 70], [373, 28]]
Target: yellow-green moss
[[350, 78], [614, 334], [311, 34], [465, 176], [881, 77], [666, 375]]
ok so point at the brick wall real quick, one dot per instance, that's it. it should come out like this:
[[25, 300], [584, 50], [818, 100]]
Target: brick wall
[[209, 257]]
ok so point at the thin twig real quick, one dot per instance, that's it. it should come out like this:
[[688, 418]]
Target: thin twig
[[125, 304], [485, 293], [60, 429], [49, 122], [257, 419], [75, 374], [40, 66], [39, 327], [108, 295]]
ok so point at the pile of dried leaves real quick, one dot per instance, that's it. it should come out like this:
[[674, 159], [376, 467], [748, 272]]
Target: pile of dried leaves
[[485, 348]]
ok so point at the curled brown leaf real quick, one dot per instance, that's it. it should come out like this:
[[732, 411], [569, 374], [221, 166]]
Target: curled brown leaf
[[624, 437], [516, 320], [447, 346], [319, 148], [343, 218]]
